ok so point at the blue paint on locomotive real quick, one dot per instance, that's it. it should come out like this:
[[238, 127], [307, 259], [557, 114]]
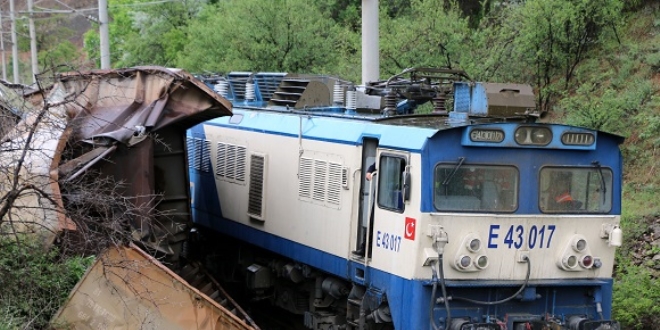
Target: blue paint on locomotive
[[329, 129], [445, 147], [409, 300], [412, 297]]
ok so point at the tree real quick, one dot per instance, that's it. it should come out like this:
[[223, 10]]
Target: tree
[[429, 36], [143, 33], [553, 37], [253, 35]]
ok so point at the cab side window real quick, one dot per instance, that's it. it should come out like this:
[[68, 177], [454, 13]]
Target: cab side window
[[390, 182]]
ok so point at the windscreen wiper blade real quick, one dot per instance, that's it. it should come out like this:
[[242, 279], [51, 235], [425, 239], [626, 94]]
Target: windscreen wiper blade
[[461, 160], [603, 188]]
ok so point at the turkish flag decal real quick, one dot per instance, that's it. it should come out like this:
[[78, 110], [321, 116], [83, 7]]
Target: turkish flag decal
[[411, 223]]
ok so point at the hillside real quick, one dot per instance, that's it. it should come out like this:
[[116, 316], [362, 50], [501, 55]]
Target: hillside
[[614, 84]]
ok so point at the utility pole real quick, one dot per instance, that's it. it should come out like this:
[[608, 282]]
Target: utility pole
[[14, 43], [2, 48], [33, 43], [370, 51], [104, 34]]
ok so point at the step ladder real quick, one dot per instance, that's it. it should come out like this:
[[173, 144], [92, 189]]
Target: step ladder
[[355, 312], [197, 276]]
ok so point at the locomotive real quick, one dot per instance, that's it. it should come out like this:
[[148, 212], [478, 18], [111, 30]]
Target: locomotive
[[477, 216]]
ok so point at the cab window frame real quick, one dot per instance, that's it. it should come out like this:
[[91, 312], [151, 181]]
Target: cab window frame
[[514, 188], [545, 194], [390, 192]]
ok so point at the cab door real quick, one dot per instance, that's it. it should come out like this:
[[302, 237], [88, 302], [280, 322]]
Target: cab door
[[392, 188]]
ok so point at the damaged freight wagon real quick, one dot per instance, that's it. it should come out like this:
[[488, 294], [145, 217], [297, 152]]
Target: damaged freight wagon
[[120, 132], [128, 125]]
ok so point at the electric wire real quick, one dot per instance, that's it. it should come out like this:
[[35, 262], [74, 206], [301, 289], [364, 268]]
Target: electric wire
[[497, 302]]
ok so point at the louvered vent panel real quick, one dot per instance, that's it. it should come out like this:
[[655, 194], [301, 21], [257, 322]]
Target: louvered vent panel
[[334, 183], [305, 178], [320, 178], [256, 198], [231, 161], [221, 160], [197, 146], [240, 163], [190, 145], [205, 159], [344, 177]]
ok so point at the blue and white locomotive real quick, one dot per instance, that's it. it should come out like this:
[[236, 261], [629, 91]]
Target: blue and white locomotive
[[475, 218]]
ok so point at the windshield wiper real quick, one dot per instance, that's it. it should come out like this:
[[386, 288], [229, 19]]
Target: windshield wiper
[[603, 188], [461, 160]]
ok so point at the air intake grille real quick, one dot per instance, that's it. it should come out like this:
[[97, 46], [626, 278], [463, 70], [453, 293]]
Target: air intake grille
[[230, 162], [320, 182], [199, 156], [256, 194]]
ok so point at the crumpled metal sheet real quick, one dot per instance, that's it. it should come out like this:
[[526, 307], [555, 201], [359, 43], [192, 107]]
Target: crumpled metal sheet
[[128, 289], [122, 104], [112, 109]]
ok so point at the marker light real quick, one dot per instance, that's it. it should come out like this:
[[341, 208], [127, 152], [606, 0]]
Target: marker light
[[530, 135], [481, 262], [587, 261], [475, 245], [464, 262], [570, 262]]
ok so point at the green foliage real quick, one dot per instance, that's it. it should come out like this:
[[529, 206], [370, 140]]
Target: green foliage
[[64, 56], [35, 282], [144, 35], [51, 36], [430, 36], [344, 12], [611, 110], [91, 46], [554, 36], [255, 35], [636, 296], [653, 60]]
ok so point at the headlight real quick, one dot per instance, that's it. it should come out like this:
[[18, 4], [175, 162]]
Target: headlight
[[532, 135], [463, 262], [481, 262], [474, 245], [470, 256], [579, 245], [570, 261]]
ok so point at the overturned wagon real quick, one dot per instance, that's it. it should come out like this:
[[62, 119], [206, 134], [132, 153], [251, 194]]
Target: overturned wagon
[[123, 127]]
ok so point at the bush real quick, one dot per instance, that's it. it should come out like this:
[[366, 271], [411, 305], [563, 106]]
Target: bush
[[34, 282], [635, 298]]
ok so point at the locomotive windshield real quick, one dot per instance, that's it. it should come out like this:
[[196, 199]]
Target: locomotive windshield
[[571, 190], [476, 188]]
